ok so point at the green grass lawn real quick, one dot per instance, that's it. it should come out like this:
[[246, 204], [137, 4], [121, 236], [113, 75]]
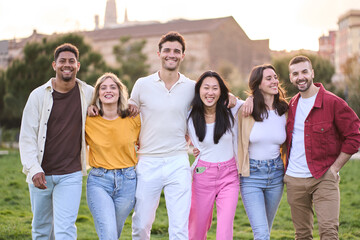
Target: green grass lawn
[[16, 216]]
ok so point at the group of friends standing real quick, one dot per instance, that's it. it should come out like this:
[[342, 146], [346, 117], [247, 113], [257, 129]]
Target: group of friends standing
[[137, 148]]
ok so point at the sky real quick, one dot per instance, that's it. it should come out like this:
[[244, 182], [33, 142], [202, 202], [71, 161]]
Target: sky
[[289, 24]]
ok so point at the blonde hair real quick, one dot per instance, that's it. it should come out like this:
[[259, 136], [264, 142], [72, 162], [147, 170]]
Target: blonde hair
[[122, 105]]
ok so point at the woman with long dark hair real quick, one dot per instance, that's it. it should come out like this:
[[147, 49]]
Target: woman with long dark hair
[[261, 140], [211, 127]]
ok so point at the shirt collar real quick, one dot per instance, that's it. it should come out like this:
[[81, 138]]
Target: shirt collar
[[320, 94], [48, 84], [156, 77]]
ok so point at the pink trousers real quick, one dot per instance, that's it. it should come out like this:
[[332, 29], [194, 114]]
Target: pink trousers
[[214, 182]]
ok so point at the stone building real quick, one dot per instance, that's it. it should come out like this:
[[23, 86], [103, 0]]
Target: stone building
[[327, 45], [210, 44], [348, 39], [13, 49]]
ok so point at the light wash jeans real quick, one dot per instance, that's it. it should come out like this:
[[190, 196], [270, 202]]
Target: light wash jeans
[[261, 193], [55, 209], [111, 197]]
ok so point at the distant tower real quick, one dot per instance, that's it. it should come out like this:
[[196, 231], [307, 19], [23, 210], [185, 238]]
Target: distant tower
[[110, 14], [96, 18], [126, 19]]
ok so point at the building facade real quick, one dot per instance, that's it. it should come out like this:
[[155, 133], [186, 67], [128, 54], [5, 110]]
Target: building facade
[[347, 40], [327, 45], [210, 44]]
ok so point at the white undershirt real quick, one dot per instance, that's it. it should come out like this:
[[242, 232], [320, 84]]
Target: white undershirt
[[267, 136], [297, 159]]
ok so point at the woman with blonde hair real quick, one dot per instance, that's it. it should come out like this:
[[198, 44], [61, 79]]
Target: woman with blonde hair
[[112, 137]]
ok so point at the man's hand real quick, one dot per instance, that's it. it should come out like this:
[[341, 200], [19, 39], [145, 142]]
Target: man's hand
[[334, 172], [248, 106], [134, 110], [232, 101], [196, 152], [39, 180], [92, 111]]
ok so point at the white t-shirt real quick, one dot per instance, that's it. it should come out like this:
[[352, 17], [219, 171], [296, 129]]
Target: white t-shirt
[[267, 136], [163, 114], [226, 147], [297, 159]]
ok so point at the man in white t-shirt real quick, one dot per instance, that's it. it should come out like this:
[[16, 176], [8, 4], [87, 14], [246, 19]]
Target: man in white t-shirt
[[322, 134]]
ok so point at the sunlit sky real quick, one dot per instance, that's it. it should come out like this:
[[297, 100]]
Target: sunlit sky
[[289, 24]]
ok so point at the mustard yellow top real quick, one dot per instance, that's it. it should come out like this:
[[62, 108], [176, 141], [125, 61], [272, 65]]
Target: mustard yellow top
[[112, 142]]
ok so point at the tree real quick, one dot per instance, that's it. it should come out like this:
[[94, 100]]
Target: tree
[[131, 60], [34, 69], [351, 70], [323, 69]]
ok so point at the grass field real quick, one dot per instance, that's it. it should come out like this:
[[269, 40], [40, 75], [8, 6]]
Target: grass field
[[15, 212]]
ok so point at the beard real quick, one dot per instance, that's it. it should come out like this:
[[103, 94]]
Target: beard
[[67, 77], [308, 83], [171, 67]]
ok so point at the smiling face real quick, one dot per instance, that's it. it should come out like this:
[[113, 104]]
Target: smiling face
[[269, 83], [109, 92], [301, 75], [210, 91], [66, 66], [171, 55]]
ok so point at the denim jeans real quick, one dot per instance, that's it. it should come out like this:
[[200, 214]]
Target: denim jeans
[[261, 193], [111, 197], [55, 209]]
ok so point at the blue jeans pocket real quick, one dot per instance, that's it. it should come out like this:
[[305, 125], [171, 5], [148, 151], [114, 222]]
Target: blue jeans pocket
[[130, 173], [97, 172], [254, 167], [279, 165]]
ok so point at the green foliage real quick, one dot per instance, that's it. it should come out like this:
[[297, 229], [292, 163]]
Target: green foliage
[[16, 216], [351, 70], [323, 72], [10, 135], [34, 69], [237, 83], [131, 60]]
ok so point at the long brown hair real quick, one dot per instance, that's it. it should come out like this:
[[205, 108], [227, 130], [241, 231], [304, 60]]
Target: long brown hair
[[260, 111]]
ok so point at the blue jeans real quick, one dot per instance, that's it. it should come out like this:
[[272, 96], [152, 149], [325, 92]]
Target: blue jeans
[[55, 209], [261, 193], [111, 197]]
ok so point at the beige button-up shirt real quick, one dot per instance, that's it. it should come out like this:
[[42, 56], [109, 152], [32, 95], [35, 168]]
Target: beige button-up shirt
[[34, 126]]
